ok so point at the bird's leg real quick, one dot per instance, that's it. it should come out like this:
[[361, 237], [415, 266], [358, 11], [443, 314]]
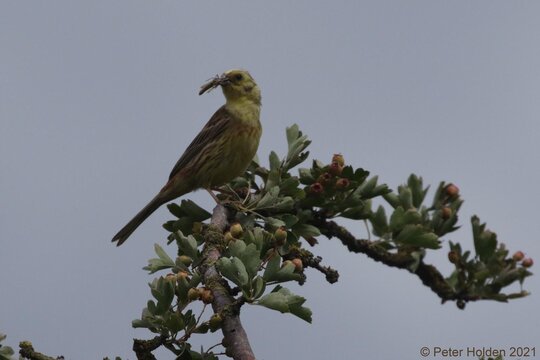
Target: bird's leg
[[213, 195], [228, 190]]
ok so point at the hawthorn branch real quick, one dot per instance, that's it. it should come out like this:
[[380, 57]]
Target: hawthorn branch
[[310, 260], [27, 352], [235, 339], [143, 348], [428, 274]]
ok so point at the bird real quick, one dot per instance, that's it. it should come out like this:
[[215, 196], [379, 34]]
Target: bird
[[221, 151]]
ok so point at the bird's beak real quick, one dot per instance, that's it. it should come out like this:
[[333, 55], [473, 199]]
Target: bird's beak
[[216, 81]]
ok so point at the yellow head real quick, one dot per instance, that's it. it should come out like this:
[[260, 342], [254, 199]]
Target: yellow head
[[237, 85]]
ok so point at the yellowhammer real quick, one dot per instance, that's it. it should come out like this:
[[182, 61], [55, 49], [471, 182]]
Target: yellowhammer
[[220, 152]]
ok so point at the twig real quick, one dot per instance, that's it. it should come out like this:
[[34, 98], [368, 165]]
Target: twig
[[27, 352], [143, 348], [428, 274]]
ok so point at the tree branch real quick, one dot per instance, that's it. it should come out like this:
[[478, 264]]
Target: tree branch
[[27, 352], [235, 338], [143, 348], [428, 274]]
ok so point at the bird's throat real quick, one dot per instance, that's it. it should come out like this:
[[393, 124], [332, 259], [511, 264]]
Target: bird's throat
[[244, 109]]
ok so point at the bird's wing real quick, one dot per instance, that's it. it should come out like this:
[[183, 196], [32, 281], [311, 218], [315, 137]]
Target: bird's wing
[[213, 128]]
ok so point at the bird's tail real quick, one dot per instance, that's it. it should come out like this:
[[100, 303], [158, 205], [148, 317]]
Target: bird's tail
[[137, 220]]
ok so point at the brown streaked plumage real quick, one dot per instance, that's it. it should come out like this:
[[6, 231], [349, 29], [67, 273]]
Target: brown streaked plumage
[[220, 152]]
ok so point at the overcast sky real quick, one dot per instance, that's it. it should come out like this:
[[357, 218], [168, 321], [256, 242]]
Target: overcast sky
[[98, 99]]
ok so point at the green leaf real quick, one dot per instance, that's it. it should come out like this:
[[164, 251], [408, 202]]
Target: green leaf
[[415, 183], [274, 173], [164, 294], [202, 328], [284, 301], [5, 351], [379, 222], [485, 241], [300, 158], [400, 218], [176, 210], [296, 143], [175, 322], [380, 190], [187, 245], [285, 273], [259, 286], [292, 133], [274, 161], [162, 262], [347, 172], [151, 307], [248, 254], [405, 197], [194, 211], [360, 175], [306, 230], [234, 270], [417, 235], [289, 219], [269, 198], [437, 198], [259, 236], [306, 177], [142, 323], [274, 222], [397, 219], [289, 185], [392, 199], [163, 255], [236, 247], [184, 224], [272, 267], [367, 187], [363, 211], [284, 204]]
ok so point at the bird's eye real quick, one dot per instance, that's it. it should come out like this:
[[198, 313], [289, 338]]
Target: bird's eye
[[238, 77]]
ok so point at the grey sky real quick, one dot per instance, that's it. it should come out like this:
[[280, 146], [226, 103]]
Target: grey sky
[[98, 99]]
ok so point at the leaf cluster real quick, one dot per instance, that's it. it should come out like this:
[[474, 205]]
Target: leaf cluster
[[274, 209]]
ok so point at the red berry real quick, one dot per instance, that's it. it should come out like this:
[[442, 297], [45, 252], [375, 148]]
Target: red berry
[[453, 257], [527, 263], [298, 266], [325, 179], [316, 188], [182, 275], [446, 212], [518, 256], [207, 297], [451, 190], [342, 184]]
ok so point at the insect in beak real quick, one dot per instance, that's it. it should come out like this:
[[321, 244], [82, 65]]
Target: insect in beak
[[213, 83]]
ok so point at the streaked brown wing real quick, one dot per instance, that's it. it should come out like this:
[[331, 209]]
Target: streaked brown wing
[[213, 128]]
